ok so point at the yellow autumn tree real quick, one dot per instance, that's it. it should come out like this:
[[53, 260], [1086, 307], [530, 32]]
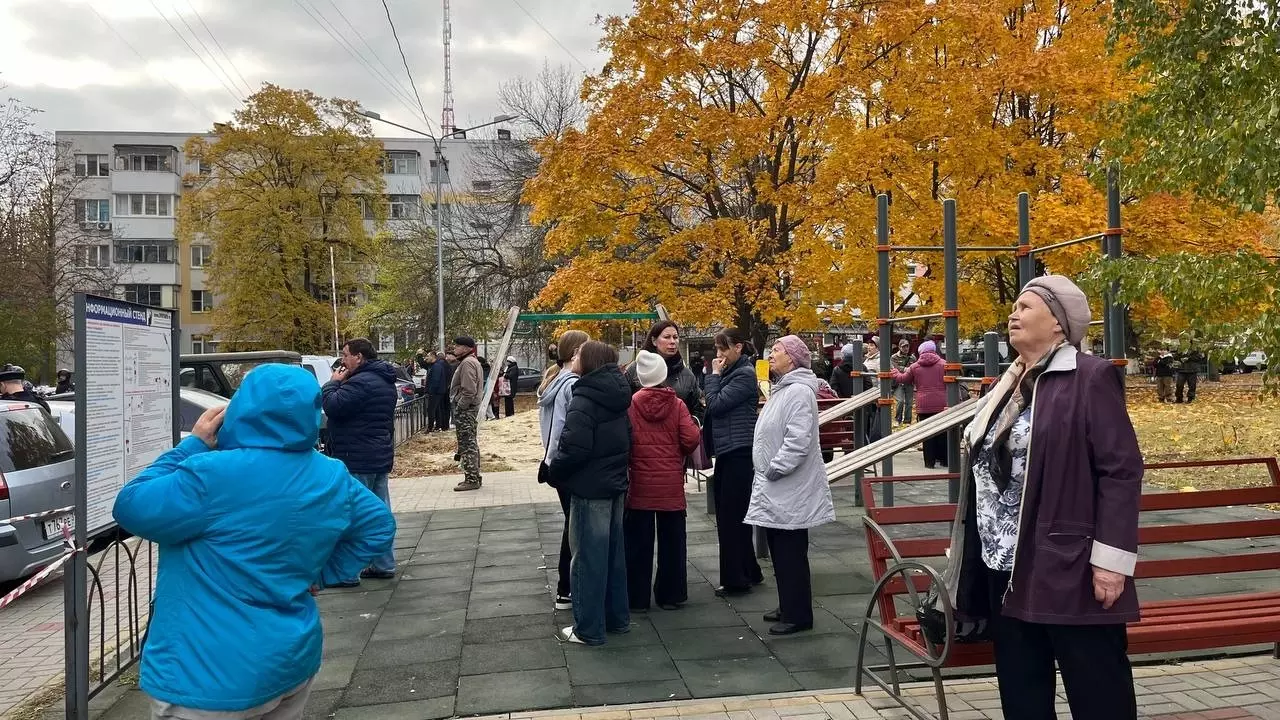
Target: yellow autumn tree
[[733, 152], [281, 184]]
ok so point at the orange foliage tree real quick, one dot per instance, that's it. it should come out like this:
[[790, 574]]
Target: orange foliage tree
[[733, 152]]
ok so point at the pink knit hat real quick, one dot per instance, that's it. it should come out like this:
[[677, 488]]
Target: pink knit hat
[[796, 350]]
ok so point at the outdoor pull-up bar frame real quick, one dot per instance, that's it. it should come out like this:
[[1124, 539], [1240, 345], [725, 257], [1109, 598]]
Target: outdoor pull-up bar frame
[[1113, 314]]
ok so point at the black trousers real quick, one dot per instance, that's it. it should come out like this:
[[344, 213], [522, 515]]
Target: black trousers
[[1187, 381], [789, 550], [510, 407], [566, 554], [443, 411], [1092, 659], [732, 477], [433, 411], [935, 448], [670, 586]]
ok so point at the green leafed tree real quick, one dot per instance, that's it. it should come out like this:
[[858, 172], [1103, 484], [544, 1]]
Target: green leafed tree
[[1209, 114], [285, 182]]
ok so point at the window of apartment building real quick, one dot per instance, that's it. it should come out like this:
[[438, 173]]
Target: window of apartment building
[[203, 344], [403, 207], [93, 256], [400, 163], [435, 170], [144, 162], [482, 185], [146, 251], [144, 294], [386, 342], [93, 211], [201, 255], [142, 204], [92, 166], [201, 301]]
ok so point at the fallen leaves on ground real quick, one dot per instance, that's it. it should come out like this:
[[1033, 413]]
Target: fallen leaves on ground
[[513, 443]]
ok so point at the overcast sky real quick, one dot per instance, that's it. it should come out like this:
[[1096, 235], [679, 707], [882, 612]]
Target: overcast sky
[[78, 68]]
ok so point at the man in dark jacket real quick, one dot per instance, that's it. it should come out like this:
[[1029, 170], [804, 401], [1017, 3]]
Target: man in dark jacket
[[842, 375], [465, 391], [439, 375], [1165, 369], [1190, 366], [360, 403], [13, 387], [591, 465]]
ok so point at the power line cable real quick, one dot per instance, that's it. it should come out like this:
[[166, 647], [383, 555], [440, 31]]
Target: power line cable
[[405, 60], [123, 39], [213, 37], [388, 79], [389, 72], [209, 52], [553, 37], [233, 94], [397, 95]]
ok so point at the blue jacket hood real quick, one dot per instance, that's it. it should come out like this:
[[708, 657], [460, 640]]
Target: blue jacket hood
[[277, 407], [381, 368]]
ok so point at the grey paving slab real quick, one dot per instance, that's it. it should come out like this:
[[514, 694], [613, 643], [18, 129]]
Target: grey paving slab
[[642, 632], [130, 706], [321, 704], [414, 604], [434, 586], [823, 622], [344, 643], [740, 676], [807, 651], [468, 533], [368, 600], [500, 573], [512, 655], [401, 683], [499, 607], [432, 709], [423, 626], [335, 673], [841, 677], [353, 622], [509, 691], [696, 616], [511, 588], [705, 643], [429, 569], [436, 556], [410, 651], [610, 664], [506, 628]]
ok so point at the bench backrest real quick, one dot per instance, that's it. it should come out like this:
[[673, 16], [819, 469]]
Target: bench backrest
[[935, 545]]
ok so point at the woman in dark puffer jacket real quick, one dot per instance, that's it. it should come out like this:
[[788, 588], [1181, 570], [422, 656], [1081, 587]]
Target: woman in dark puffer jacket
[[662, 434], [732, 397], [664, 339]]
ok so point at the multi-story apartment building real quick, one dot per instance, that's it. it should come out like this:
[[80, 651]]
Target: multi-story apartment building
[[131, 185]]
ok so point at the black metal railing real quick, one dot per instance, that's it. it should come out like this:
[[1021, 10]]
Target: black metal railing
[[410, 419], [123, 615]]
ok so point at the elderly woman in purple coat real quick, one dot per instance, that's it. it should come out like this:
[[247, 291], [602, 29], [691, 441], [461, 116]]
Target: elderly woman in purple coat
[[1046, 533]]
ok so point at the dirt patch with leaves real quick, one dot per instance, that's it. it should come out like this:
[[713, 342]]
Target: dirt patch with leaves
[[513, 443], [1227, 420]]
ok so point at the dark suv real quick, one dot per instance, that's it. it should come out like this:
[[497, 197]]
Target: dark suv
[[221, 373]]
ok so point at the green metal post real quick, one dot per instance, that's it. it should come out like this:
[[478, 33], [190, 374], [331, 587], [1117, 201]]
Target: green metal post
[[1115, 338], [1026, 262], [859, 416], [884, 413], [951, 325]]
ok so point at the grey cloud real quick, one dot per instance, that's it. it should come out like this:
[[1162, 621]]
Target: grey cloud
[[294, 51]]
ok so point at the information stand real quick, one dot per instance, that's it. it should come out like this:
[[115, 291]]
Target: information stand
[[126, 417]]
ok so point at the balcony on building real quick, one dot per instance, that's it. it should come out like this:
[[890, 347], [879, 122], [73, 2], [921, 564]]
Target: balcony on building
[[402, 171], [146, 169], [147, 261]]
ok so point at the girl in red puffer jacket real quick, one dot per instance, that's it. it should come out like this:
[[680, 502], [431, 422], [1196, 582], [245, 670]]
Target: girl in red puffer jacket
[[662, 434]]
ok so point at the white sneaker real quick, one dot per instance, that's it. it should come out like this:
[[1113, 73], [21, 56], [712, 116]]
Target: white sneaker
[[564, 603], [567, 635]]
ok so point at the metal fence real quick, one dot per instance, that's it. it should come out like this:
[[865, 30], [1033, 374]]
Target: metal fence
[[118, 614], [410, 419]]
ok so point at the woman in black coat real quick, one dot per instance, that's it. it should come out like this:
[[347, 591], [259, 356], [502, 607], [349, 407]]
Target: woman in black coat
[[591, 465], [512, 375], [664, 339]]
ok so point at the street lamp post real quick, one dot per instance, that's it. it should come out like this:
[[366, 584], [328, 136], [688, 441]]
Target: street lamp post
[[438, 212]]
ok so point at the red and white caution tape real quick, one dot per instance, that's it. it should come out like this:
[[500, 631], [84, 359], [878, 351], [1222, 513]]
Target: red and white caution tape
[[37, 516], [26, 586]]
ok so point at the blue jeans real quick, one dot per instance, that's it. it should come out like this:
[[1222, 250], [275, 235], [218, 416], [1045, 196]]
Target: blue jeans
[[599, 568], [377, 483]]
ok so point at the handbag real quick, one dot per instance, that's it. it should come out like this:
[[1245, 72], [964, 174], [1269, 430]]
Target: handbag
[[698, 459]]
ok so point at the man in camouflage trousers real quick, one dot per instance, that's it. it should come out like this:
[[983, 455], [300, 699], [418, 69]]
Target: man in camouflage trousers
[[464, 395]]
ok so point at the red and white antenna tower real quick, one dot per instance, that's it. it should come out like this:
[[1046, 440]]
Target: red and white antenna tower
[[446, 115]]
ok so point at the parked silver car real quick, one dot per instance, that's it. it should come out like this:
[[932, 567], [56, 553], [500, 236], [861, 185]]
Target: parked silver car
[[37, 468]]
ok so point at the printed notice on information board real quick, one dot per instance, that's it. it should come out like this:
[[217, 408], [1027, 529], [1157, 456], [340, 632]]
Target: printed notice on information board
[[128, 379]]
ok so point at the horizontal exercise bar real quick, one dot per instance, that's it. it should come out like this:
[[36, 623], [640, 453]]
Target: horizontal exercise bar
[[1077, 241], [559, 317], [959, 248], [907, 318]]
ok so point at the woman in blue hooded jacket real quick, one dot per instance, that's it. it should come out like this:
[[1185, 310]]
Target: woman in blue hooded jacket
[[250, 519]]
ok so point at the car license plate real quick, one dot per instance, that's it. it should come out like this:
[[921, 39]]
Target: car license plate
[[53, 528]]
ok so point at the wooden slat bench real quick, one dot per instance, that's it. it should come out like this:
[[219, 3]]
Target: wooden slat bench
[[903, 577]]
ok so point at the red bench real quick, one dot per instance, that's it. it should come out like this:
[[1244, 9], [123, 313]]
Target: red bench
[[903, 577]]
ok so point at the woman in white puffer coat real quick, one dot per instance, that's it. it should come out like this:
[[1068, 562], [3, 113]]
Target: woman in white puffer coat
[[790, 493]]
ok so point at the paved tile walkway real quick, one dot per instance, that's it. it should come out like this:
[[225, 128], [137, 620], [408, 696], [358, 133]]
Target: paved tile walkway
[[468, 629]]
